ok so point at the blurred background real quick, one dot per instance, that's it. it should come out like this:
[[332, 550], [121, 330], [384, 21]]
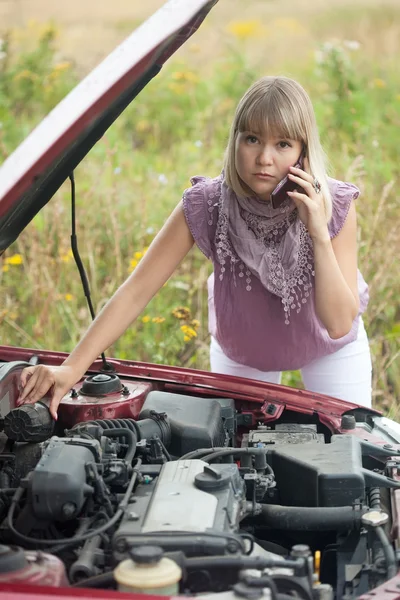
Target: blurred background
[[345, 55]]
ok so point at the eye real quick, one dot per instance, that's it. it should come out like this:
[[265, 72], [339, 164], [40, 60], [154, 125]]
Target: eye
[[284, 144], [251, 139]]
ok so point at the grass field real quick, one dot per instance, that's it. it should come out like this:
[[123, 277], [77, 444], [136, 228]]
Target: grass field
[[346, 57]]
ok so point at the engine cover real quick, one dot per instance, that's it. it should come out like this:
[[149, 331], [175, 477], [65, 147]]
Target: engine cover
[[188, 496]]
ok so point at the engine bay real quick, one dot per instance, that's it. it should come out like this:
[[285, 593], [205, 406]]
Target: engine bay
[[234, 503]]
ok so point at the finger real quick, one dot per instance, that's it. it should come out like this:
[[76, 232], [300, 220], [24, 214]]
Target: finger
[[302, 198], [25, 375], [306, 185], [55, 401], [29, 384], [301, 173], [42, 385]]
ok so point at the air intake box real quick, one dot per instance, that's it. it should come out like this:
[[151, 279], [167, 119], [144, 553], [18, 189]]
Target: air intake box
[[195, 422], [319, 474]]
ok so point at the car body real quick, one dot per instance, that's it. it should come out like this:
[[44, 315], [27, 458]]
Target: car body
[[327, 455]]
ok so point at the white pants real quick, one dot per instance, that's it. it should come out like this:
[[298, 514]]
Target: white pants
[[345, 374]]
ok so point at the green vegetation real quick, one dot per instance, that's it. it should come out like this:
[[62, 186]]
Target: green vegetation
[[177, 128]]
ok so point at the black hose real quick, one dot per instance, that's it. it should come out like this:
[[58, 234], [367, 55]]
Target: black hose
[[300, 518], [375, 498], [388, 551], [238, 562], [78, 539], [200, 452], [131, 440]]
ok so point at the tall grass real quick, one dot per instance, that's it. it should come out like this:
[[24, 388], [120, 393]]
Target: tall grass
[[136, 173]]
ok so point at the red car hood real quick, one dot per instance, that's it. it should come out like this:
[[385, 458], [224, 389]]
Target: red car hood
[[34, 172]]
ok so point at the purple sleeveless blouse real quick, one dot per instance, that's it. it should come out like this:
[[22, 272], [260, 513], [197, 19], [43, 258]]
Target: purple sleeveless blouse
[[250, 325]]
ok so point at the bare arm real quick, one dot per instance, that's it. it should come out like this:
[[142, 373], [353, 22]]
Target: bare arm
[[165, 253], [336, 290]]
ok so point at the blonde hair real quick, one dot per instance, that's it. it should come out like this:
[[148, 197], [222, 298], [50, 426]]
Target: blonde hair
[[280, 107]]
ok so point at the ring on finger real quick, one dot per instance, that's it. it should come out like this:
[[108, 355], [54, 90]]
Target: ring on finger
[[316, 185]]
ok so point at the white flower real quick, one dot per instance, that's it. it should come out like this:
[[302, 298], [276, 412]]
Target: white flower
[[375, 143], [162, 179], [351, 45], [2, 55], [150, 230], [117, 170], [198, 143]]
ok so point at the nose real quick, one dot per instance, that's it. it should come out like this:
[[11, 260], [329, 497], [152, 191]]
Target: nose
[[265, 155]]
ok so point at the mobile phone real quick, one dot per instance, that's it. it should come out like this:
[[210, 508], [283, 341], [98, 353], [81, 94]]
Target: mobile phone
[[279, 195]]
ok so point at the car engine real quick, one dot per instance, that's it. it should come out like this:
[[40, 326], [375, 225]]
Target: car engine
[[279, 510]]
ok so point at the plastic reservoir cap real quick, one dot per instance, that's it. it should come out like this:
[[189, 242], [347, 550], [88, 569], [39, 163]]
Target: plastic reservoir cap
[[29, 423], [12, 558], [148, 572], [146, 554]]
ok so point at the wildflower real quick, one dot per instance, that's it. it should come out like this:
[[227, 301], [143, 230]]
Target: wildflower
[[15, 259], [375, 143], [185, 76], [181, 312], [162, 179], [5, 268], [2, 55], [142, 126], [68, 297], [67, 256], [245, 29], [158, 319], [138, 255], [379, 83], [195, 323], [198, 143], [25, 74], [186, 338], [188, 331], [62, 66], [117, 170], [134, 263], [145, 319]]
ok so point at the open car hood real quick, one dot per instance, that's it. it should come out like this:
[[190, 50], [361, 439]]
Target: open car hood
[[38, 167]]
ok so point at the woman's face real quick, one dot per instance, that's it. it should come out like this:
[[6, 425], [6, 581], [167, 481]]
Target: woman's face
[[263, 161]]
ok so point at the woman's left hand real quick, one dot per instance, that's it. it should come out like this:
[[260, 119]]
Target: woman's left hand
[[310, 203]]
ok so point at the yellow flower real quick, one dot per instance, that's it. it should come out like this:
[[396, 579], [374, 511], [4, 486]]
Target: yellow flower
[[185, 76], [195, 324], [181, 313], [134, 263], [67, 256], [245, 29], [142, 126], [15, 259], [186, 338], [62, 66], [25, 74], [5, 268], [379, 83], [145, 319], [188, 331], [158, 319], [138, 255], [68, 297]]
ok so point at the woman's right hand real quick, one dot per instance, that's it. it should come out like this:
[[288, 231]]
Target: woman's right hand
[[37, 381]]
